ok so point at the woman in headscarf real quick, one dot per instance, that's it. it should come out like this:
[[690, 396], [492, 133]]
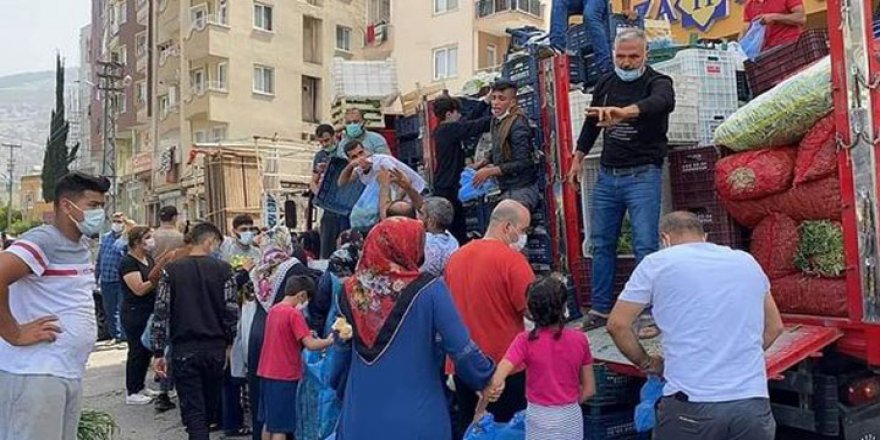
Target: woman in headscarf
[[395, 389], [277, 264], [342, 264]]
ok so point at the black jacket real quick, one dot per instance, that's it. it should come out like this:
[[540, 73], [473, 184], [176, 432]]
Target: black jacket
[[518, 169]]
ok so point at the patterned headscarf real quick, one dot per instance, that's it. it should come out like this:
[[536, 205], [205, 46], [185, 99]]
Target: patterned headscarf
[[275, 245], [390, 262]]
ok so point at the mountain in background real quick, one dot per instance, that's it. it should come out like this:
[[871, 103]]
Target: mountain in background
[[26, 102]]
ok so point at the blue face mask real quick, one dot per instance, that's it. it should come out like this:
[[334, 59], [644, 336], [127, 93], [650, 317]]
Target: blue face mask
[[629, 75], [93, 220], [246, 238], [354, 130]]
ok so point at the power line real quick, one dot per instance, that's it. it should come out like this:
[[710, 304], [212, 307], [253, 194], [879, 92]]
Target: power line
[[10, 167]]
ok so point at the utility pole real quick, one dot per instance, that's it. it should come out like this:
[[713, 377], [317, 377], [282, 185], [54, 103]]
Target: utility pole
[[10, 166], [110, 76]]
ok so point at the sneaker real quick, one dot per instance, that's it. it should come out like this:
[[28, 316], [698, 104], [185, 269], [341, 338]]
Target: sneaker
[[150, 392], [164, 403], [138, 399]]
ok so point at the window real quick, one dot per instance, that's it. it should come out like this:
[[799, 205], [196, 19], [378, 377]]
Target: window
[[312, 46], [221, 76], [491, 55], [198, 16], [200, 136], [197, 81], [378, 11], [172, 96], [163, 105], [119, 55], [343, 38], [119, 104], [263, 17], [141, 44], [311, 99], [222, 12], [441, 6], [218, 133], [121, 12], [445, 62], [141, 92], [264, 80]]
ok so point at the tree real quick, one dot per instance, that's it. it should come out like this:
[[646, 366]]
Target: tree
[[57, 159]]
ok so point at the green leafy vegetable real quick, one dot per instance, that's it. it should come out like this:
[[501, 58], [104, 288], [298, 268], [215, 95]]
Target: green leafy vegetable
[[95, 425], [821, 250]]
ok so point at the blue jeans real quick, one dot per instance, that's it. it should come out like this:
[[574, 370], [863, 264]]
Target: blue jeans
[[614, 195], [111, 299], [233, 414], [596, 19]]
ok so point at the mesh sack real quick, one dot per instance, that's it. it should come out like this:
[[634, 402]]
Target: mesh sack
[[807, 295], [783, 115], [817, 200], [817, 153], [775, 245], [755, 174]]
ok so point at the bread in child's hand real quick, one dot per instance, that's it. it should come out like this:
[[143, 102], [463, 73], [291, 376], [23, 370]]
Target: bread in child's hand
[[343, 328]]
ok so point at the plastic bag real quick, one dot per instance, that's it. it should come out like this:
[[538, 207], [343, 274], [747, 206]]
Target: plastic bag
[[468, 191], [817, 153], [645, 417], [755, 174], [753, 41], [487, 429], [782, 115], [775, 244], [147, 336], [365, 212]]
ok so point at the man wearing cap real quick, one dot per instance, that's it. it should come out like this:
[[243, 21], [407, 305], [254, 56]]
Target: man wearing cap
[[167, 237], [512, 159]]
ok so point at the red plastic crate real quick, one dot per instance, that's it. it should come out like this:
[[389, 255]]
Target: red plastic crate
[[775, 65], [626, 264]]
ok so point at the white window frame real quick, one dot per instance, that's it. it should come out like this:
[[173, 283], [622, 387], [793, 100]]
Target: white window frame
[[217, 133], [141, 91], [345, 32], [260, 17], [198, 16], [200, 136], [445, 6], [172, 96], [259, 72], [221, 76], [140, 42], [447, 72], [122, 12], [223, 12], [492, 55], [198, 79]]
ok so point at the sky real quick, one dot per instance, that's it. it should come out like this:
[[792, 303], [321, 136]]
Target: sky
[[31, 31]]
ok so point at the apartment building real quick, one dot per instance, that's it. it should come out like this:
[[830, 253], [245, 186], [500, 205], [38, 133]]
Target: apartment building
[[446, 41], [231, 70], [83, 89]]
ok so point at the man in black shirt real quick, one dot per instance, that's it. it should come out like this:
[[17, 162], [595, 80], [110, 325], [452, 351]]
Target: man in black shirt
[[332, 224], [632, 106], [196, 314], [512, 160], [450, 154]]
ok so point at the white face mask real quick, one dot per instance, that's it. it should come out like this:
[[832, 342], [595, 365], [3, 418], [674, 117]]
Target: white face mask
[[302, 306], [520, 243], [150, 244], [93, 219], [117, 227], [247, 238]]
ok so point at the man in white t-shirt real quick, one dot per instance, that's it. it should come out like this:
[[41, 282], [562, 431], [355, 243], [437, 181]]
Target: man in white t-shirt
[[713, 307], [47, 315]]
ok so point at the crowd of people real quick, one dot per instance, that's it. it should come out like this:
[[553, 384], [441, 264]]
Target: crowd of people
[[408, 331]]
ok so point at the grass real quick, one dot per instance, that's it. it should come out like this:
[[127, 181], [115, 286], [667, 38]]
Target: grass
[[95, 425], [821, 249]]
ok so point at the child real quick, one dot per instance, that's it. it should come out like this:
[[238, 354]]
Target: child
[[281, 366], [559, 364]]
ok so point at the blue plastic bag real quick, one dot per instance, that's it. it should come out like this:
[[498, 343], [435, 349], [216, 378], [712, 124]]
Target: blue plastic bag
[[365, 212], [753, 41], [147, 335], [645, 417], [487, 429], [468, 191]]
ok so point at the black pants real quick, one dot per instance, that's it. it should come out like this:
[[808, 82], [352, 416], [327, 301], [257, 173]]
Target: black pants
[[512, 401], [198, 376], [458, 227], [134, 321]]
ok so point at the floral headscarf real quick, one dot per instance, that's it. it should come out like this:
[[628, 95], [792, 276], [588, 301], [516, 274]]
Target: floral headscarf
[[390, 262], [344, 260], [276, 248]]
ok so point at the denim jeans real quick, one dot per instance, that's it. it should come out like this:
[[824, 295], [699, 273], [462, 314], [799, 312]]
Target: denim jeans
[[614, 195], [199, 377], [596, 19], [233, 413], [111, 299]]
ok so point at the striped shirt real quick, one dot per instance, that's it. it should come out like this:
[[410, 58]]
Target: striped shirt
[[61, 283]]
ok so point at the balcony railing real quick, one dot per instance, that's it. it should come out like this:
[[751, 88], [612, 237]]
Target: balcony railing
[[486, 8], [199, 24]]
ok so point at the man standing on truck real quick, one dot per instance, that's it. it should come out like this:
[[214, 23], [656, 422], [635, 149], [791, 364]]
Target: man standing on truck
[[632, 106], [784, 20], [596, 14], [332, 224], [713, 305], [356, 130], [512, 160]]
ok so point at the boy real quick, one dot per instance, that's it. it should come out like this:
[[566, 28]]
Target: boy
[[281, 366]]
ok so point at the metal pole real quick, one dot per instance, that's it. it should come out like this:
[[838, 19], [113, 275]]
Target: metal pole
[[11, 169]]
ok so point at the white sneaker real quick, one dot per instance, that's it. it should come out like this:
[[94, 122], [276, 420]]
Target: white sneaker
[[151, 393], [138, 399]]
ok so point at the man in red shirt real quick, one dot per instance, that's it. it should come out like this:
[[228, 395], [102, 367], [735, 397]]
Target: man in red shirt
[[784, 19], [488, 280]]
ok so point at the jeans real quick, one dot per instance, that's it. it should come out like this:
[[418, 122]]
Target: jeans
[[332, 225], [111, 299], [138, 359], [596, 19], [616, 194], [198, 376], [748, 419], [233, 414]]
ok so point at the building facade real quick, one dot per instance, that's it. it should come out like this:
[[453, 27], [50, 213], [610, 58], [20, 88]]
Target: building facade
[[31, 203]]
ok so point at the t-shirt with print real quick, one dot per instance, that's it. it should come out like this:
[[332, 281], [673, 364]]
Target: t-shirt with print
[[553, 366], [131, 264], [708, 302], [774, 34], [281, 356], [61, 283], [438, 249]]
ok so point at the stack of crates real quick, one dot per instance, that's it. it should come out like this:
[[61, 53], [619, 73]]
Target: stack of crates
[[408, 132], [775, 65], [371, 109], [716, 72], [608, 415], [684, 127]]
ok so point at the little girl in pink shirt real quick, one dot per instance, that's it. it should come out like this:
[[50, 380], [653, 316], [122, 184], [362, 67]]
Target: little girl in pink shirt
[[559, 364]]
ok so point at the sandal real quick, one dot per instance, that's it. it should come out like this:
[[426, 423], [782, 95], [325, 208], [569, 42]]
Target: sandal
[[594, 320]]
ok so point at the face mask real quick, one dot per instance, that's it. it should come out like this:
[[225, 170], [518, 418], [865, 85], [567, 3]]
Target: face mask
[[331, 147], [150, 244], [93, 219], [354, 130], [302, 306], [520, 243], [246, 238], [117, 227], [629, 75]]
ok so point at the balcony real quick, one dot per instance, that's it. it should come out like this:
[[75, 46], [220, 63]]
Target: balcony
[[206, 102], [496, 16], [208, 38]]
